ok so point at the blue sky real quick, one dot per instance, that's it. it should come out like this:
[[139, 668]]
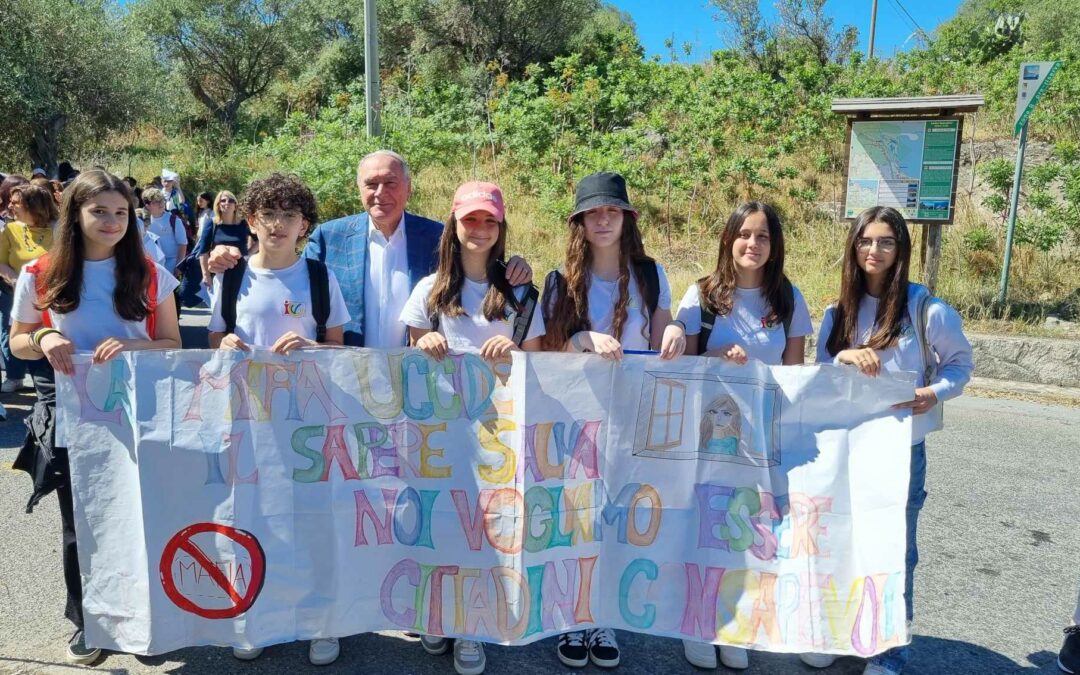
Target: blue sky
[[692, 21]]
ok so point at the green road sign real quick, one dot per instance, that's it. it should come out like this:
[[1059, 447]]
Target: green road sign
[[1034, 79]]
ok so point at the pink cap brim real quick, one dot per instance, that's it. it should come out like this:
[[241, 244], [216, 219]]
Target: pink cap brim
[[486, 207]]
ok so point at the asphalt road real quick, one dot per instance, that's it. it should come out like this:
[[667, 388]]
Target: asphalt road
[[998, 579]]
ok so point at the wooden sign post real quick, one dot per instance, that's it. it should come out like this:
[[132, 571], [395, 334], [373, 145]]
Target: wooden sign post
[[905, 153]]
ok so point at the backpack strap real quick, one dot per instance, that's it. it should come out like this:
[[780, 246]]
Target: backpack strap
[[708, 319], [230, 292], [319, 278], [38, 269], [789, 296], [922, 314], [151, 300], [525, 316]]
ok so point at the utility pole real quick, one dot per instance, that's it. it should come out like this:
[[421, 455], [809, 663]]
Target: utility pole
[[371, 67], [873, 27]]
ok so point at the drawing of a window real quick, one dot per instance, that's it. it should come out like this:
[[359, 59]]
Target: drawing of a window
[[666, 417]]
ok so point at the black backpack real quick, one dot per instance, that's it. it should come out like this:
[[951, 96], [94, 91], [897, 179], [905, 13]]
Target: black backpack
[[645, 270], [521, 322], [320, 295], [708, 317]]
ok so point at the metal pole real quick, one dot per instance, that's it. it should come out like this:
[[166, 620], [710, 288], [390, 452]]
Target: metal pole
[[1003, 290], [873, 27], [371, 67]]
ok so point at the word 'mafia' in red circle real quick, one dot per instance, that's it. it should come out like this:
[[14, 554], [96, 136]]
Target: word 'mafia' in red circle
[[213, 571]]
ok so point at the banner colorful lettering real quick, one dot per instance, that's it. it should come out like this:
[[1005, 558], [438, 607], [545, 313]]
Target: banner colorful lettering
[[247, 500]]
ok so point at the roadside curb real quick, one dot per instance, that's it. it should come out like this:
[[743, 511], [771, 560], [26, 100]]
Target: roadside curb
[[985, 387]]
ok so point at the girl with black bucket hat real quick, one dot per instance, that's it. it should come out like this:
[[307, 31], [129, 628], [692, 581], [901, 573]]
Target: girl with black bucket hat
[[608, 298]]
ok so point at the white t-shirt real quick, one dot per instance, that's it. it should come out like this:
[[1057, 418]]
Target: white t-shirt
[[95, 318], [170, 238], [602, 297], [944, 331], [150, 244], [273, 302], [470, 331], [386, 288], [745, 324]]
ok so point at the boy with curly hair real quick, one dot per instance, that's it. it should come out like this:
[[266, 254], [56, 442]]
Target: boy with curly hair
[[272, 300]]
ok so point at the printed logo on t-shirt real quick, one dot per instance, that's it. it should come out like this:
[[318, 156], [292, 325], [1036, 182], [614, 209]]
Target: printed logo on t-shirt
[[770, 322], [293, 309]]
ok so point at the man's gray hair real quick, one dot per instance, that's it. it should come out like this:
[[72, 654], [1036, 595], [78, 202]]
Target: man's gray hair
[[387, 153]]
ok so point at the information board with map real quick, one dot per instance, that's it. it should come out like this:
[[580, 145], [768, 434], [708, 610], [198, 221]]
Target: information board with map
[[909, 165]]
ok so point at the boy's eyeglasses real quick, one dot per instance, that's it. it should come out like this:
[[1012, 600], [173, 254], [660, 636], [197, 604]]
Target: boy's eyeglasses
[[268, 216], [885, 244]]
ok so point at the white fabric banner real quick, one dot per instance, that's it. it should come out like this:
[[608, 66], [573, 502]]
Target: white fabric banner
[[249, 500]]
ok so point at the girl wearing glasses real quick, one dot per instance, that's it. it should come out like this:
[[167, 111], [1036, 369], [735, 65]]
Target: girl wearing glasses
[[884, 322]]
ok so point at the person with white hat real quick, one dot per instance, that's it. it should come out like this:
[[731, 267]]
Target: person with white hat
[[175, 201]]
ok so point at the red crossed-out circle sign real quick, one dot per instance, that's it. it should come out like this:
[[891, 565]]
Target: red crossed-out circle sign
[[182, 541]]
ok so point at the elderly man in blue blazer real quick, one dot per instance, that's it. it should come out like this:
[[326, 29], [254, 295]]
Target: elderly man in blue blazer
[[377, 256]]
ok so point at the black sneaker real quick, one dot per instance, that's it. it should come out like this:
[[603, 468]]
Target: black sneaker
[[603, 649], [572, 650], [1069, 656], [77, 651]]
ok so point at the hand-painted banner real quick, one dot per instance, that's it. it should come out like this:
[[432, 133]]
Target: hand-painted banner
[[248, 500]]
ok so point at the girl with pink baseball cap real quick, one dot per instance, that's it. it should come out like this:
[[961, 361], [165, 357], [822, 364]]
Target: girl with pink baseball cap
[[468, 305]]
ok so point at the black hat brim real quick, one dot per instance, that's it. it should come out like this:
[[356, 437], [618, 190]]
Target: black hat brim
[[596, 201]]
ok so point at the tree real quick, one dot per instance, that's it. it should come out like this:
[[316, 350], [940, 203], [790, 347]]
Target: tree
[[804, 29], [510, 33], [227, 51], [750, 35], [70, 70], [805, 22]]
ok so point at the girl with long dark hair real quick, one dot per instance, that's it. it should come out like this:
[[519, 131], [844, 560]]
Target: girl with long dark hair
[[883, 322], [95, 291], [747, 306], [468, 305], [609, 295], [745, 309]]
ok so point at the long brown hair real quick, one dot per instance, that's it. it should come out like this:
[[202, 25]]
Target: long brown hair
[[445, 295], [64, 276], [892, 305], [39, 202], [569, 313], [718, 289]]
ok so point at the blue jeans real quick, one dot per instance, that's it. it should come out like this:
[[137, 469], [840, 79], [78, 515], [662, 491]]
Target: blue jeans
[[896, 658], [14, 368]]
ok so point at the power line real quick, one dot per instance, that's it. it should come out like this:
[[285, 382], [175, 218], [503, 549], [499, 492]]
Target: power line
[[910, 18]]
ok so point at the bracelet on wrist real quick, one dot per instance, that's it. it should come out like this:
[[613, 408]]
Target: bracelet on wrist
[[36, 336], [678, 323]]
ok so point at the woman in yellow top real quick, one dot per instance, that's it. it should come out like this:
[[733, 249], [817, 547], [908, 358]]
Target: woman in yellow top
[[26, 238]]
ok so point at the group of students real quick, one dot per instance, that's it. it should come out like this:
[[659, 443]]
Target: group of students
[[96, 291]]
